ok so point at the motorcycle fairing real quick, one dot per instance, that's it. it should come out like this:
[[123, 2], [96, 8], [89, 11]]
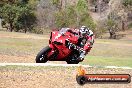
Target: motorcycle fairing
[[57, 41]]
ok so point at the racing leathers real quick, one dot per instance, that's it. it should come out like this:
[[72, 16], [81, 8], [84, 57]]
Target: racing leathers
[[85, 43]]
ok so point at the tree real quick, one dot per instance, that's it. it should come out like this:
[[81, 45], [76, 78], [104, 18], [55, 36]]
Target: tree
[[127, 3], [111, 29], [57, 3], [114, 23], [87, 20], [45, 15], [8, 13], [19, 15], [66, 17], [81, 8], [9, 1], [75, 16], [26, 19]]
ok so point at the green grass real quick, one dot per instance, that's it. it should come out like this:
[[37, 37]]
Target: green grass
[[23, 46], [12, 43], [107, 61], [107, 52]]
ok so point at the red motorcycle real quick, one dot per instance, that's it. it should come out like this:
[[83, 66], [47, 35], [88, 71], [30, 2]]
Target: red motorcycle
[[60, 48]]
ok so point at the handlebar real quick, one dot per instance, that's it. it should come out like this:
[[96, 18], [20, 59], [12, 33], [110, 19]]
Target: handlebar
[[73, 46]]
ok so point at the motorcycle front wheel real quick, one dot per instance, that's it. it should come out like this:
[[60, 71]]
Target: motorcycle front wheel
[[42, 55]]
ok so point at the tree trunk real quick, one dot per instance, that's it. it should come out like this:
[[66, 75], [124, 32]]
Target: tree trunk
[[25, 24], [61, 4], [96, 9], [112, 33], [11, 27], [25, 30], [123, 26]]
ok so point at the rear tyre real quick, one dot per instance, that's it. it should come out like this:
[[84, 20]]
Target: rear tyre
[[72, 59], [72, 62], [42, 55]]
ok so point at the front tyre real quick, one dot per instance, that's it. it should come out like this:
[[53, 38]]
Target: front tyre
[[42, 55]]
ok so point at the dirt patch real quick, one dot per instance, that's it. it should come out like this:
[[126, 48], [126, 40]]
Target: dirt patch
[[17, 59], [25, 37], [22, 35], [52, 77], [23, 59]]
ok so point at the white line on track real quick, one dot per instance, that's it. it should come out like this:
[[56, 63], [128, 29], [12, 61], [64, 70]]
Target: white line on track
[[63, 65]]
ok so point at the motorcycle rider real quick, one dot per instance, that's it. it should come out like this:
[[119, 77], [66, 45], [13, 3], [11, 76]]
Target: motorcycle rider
[[85, 41]]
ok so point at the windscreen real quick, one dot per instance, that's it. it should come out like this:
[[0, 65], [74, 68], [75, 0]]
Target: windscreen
[[63, 30]]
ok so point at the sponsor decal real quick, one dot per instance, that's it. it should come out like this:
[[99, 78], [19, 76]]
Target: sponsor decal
[[83, 78]]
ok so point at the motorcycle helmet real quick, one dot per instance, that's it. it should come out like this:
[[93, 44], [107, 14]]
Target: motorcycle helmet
[[83, 30]]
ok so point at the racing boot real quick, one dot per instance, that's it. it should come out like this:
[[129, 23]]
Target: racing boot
[[81, 57]]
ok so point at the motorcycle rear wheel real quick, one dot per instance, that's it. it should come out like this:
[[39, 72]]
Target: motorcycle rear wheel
[[72, 58], [72, 62], [42, 55]]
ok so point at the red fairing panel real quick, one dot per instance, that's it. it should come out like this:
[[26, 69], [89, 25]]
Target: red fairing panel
[[63, 50], [87, 47]]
